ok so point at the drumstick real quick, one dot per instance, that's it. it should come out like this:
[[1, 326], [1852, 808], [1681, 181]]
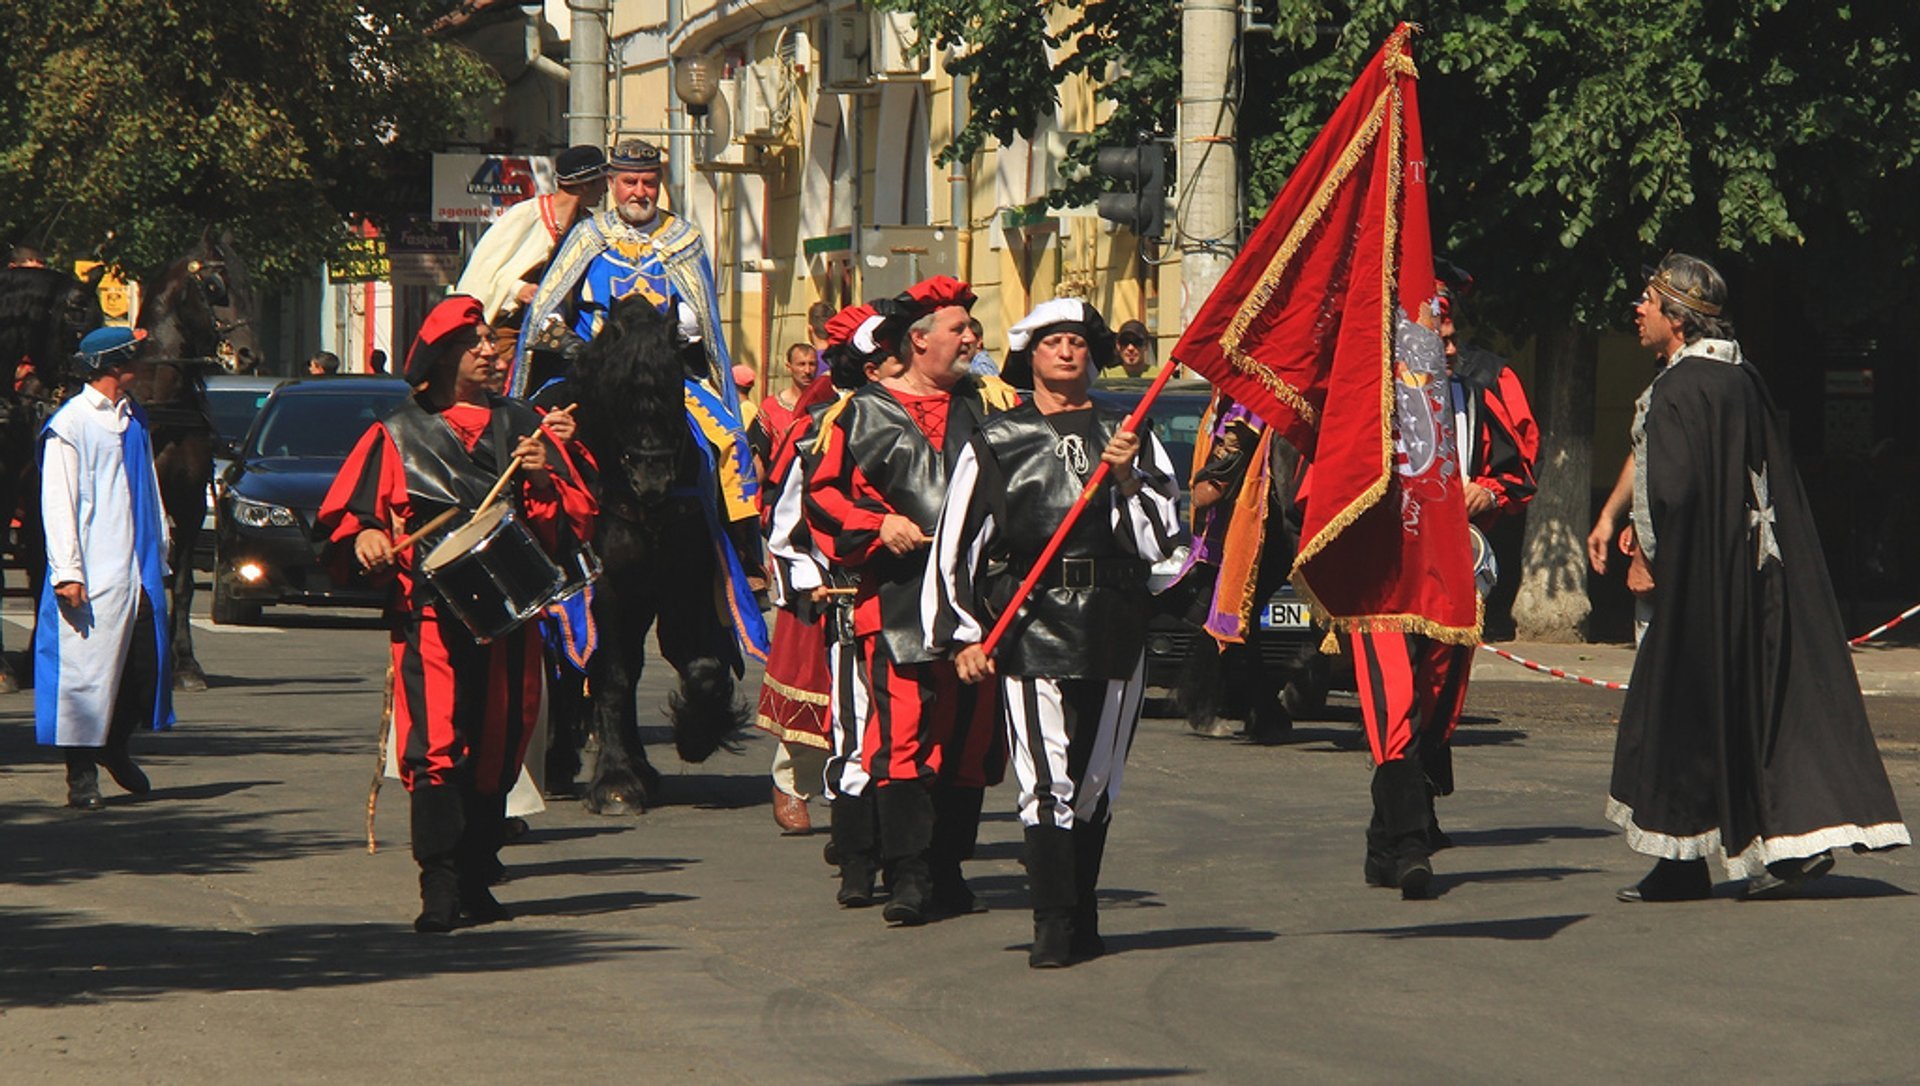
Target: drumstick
[[498, 486], [406, 540], [840, 591]]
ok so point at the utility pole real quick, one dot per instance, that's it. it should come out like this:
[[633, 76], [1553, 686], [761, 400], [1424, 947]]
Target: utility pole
[[1206, 227], [587, 73]]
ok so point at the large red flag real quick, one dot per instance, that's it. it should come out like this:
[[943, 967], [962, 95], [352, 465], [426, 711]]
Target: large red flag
[[1309, 329]]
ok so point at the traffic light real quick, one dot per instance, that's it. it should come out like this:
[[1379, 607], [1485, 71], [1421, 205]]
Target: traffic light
[[1139, 198]]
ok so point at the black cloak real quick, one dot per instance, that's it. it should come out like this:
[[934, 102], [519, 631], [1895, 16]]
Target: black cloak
[[1744, 732]]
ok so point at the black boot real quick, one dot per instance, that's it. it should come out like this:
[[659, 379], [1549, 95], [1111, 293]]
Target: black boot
[[1671, 880], [477, 860], [83, 780], [120, 766], [906, 833], [956, 831], [1089, 848], [439, 816], [855, 846], [1436, 761], [1379, 865], [1050, 883], [1400, 803]]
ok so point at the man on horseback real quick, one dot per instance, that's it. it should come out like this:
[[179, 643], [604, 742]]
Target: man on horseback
[[872, 503], [102, 636], [511, 257], [641, 249]]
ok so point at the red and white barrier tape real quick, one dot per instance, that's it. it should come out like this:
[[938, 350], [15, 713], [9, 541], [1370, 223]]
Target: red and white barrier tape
[[1890, 624], [1559, 673], [1553, 671]]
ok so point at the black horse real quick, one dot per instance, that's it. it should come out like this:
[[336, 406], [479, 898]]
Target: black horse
[[660, 564], [188, 309], [43, 314]]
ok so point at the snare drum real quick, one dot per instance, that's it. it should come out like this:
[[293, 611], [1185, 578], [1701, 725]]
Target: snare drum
[[493, 573]]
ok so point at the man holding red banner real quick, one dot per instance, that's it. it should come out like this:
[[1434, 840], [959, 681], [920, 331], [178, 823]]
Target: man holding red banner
[[1071, 669], [872, 502], [1314, 329]]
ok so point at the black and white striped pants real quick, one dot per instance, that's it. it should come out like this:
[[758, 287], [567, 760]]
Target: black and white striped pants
[[1070, 739], [849, 704]]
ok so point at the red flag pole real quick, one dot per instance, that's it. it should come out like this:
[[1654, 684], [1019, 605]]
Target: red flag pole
[[1052, 548]]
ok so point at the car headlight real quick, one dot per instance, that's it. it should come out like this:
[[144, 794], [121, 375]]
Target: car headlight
[[262, 514]]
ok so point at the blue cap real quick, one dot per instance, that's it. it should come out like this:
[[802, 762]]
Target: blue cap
[[109, 346]]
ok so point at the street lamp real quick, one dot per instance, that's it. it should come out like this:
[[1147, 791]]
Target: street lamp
[[696, 80]]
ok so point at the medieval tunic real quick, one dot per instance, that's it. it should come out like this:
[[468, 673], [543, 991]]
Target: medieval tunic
[[512, 252], [794, 693], [891, 452], [1743, 734], [463, 711], [106, 530], [1071, 665]]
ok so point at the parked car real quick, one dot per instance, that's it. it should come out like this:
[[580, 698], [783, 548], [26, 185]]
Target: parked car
[[233, 402], [272, 491], [1291, 647]]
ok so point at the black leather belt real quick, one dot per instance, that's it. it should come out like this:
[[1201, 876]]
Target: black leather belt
[[1095, 573]]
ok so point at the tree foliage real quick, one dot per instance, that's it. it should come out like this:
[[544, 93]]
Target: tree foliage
[[1570, 141], [128, 128], [1015, 65]]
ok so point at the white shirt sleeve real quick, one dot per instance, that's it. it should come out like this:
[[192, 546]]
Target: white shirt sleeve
[[947, 594], [60, 510], [1151, 515]]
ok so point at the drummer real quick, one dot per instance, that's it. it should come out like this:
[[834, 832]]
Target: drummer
[[462, 710]]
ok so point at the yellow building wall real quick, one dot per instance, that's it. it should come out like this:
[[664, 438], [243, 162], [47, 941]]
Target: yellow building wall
[[764, 308]]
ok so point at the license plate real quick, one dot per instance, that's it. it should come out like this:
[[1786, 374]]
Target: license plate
[[1284, 616]]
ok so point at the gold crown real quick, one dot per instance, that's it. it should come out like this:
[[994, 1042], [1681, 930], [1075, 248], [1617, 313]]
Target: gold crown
[[1691, 298]]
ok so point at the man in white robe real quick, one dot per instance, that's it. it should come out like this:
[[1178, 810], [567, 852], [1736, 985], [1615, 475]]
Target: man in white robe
[[512, 255], [101, 637]]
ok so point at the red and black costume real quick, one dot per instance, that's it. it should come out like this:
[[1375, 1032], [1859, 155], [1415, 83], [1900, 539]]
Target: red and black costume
[[932, 743], [463, 711]]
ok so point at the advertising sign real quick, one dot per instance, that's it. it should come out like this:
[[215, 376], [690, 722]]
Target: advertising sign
[[423, 253], [479, 188]]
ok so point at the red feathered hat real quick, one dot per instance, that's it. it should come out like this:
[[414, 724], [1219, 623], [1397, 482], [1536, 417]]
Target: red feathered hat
[[842, 325], [942, 290], [456, 312]]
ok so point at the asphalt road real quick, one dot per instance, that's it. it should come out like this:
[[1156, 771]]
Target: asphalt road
[[231, 926]]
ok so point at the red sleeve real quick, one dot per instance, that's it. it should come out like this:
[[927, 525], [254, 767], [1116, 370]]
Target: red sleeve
[[369, 492], [844, 511], [565, 500]]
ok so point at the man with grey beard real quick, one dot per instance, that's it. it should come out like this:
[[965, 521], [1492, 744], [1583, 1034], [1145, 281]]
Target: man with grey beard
[[636, 247]]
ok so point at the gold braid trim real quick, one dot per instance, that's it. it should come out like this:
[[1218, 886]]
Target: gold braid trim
[[795, 693], [1399, 623], [1386, 109], [788, 735], [1283, 258], [824, 429]]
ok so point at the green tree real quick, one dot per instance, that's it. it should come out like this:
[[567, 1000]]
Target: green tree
[[1131, 49], [127, 128], [1569, 142], [1572, 141]]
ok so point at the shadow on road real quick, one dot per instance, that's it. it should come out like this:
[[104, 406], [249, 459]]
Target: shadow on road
[[1444, 881], [613, 901], [1836, 888], [1042, 1078], [1527, 835], [592, 865], [1519, 929], [51, 959], [50, 845], [225, 682], [1177, 938]]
